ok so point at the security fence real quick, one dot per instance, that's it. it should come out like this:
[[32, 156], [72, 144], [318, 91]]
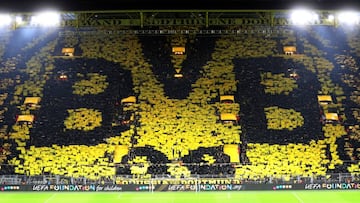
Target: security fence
[[225, 174], [160, 179]]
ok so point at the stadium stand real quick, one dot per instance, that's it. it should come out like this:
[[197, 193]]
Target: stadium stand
[[91, 105]]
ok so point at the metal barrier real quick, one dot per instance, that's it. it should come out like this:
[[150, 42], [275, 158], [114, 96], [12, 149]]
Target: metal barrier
[[132, 179]]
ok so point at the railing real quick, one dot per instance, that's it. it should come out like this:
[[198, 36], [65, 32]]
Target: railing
[[7, 176], [130, 179]]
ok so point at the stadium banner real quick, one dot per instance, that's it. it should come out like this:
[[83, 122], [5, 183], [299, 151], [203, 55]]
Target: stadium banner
[[175, 187], [178, 187], [333, 186], [220, 187], [261, 186], [77, 188], [225, 187]]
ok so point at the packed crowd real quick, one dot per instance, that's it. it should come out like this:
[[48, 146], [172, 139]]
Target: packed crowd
[[174, 126]]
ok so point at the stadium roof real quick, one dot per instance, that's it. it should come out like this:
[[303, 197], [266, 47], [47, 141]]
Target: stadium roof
[[88, 5]]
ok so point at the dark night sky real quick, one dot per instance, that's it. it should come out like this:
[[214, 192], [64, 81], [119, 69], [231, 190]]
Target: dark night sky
[[84, 5]]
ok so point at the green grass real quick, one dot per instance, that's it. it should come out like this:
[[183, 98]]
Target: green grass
[[183, 197]]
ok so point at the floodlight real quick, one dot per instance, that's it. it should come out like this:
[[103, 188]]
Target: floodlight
[[18, 19], [5, 19], [349, 17], [331, 17], [48, 18], [303, 17]]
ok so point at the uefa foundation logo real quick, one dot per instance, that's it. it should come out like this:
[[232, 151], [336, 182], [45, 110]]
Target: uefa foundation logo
[[282, 187], [9, 188]]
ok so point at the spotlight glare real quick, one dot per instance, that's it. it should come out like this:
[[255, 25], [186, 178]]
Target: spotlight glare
[[5, 20], [49, 18], [303, 17], [349, 17], [18, 20], [331, 17]]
